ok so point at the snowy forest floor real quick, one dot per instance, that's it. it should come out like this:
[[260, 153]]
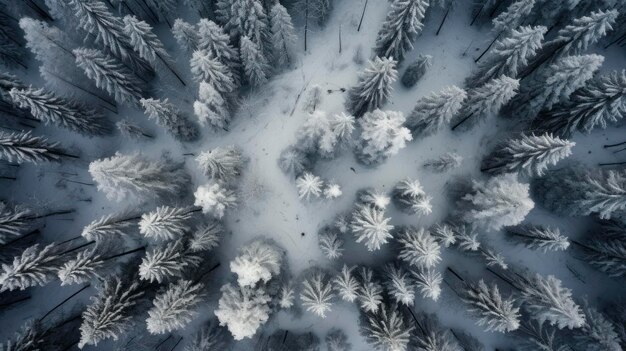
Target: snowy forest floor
[[269, 205]]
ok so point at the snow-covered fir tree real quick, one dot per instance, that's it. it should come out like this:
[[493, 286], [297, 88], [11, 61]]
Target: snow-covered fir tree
[[216, 43], [283, 35], [330, 243], [410, 196], [287, 296], [257, 261], [206, 237], [109, 314], [369, 225], [221, 163], [399, 284], [255, 66], [215, 199], [487, 100], [107, 227], [606, 249], [581, 192], [554, 84], [136, 177], [212, 107], [145, 42], [513, 16], [336, 340], [435, 111], [400, 29], [317, 294], [428, 282], [529, 154], [466, 238], [444, 234], [325, 134], [165, 223], [387, 329], [51, 109], [294, 161], [14, 221], [416, 70], [493, 259], [32, 267], [247, 18], [370, 290], [21, 147], [444, 163], [243, 310], [309, 185], [419, 248], [332, 191], [346, 284], [110, 74], [538, 237], [495, 313], [373, 87], [548, 301], [166, 262], [205, 67], [84, 267], [186, 35], [500, 201], [372, 197], [166, 115], [382, 135], [598, 333], [585, 31], [509, 55], [174, 308], [211, 336], [30, 336], [430, 336], [600, 102]]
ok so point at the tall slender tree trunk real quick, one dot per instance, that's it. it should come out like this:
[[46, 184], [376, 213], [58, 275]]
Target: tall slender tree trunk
[[362, 15]]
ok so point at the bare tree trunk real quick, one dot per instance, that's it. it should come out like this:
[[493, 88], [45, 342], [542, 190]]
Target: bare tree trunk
[[362, 15]]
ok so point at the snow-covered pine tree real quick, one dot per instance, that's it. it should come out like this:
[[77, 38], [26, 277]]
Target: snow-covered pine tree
[[538, 237], [434, 111], [283, 35], [207, 68], [309, 185], [428, 281], [601, 101], [108, 227], [166, 262], [330, 243], [257, 261], [399, 284], [243, 310], [370, 226], [498, 202], [33, 267], [215, 199], [346, 284], [419, 248], [529, 154], [247, 18], [431, 336], [513, 16], [96, 19], [466, 238], [21, 147], [206, 237], [174, 308], [382, 135], [387, 329], [317, 294], [336, 340], [444, 163], [400, 29], [370, 291], [212, 107], [332, 191], [110, 313], [493, 259], [255, 66], [82, 268], [147, 44], [136, 177], [14, 221], [495, 313], [51, 109], [294, 161], [216, 43], [444, 234], [186, 35], [210, 337], [167, 116], [166, 223], [606, 249], [110, 74], [547, 301], [372, 197], [373, 87], [581, 192], [554, 84], [487, 100], [410, 197], [598, 333], [221, 163], [31, 336], [416, 70], [509, 56], [287, 296]]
